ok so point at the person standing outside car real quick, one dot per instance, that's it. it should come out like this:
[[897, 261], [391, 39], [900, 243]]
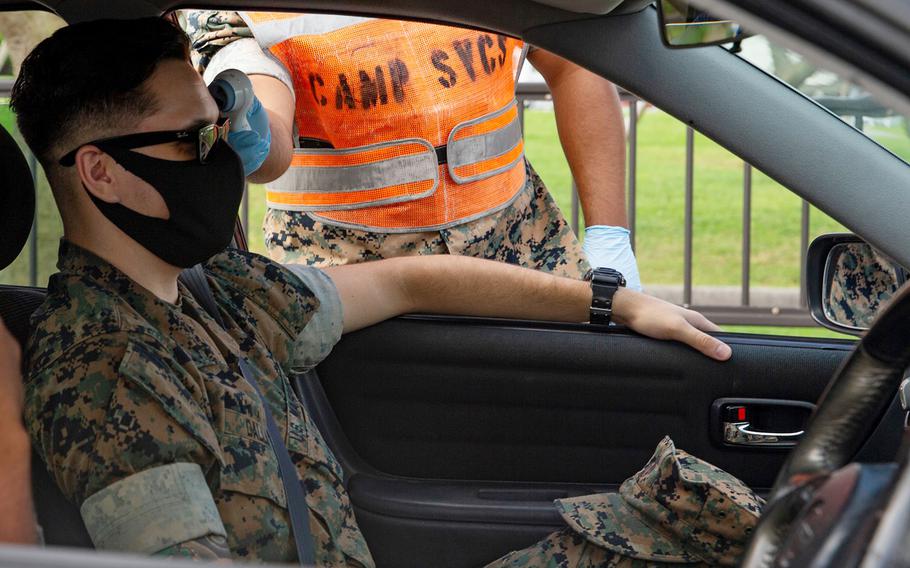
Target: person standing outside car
[[17, 517], [388, 138]]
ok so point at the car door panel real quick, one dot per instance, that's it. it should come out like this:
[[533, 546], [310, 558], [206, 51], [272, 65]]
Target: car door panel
[[403, 542], [464, 430], [448, 398]]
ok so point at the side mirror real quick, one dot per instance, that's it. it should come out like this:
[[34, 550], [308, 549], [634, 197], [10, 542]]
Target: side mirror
[[683, 25], [849, 282]]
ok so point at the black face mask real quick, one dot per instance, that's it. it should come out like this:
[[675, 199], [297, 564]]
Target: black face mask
[[202, 200]]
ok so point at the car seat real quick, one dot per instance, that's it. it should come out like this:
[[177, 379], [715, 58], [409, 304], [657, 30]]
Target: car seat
[[60, 519]]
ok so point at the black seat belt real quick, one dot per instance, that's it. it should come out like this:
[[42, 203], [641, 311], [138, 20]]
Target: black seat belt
[[298, 511]]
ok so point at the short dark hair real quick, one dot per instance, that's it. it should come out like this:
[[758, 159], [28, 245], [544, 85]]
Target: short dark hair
[[86, 81]]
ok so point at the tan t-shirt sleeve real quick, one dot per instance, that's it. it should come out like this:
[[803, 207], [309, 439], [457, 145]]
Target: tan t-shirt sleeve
[[324, 329]]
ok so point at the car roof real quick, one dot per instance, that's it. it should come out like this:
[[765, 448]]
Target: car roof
[[508, 16], [867, 41]]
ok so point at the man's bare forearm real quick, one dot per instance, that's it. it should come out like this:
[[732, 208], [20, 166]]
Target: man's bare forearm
[[17, 523], [371, 292], [469, 286], [446, 284]]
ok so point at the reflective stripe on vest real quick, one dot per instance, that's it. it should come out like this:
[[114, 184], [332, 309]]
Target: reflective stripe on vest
[[385, 94], [486, 146], [380, 174]]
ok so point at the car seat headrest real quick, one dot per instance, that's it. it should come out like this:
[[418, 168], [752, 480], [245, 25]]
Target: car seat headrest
[[17, 199]]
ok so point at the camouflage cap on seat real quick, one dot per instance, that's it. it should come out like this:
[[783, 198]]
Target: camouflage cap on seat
[[677, 509]]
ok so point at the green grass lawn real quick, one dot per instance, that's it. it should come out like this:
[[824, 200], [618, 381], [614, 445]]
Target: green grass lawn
[[788, 331], [6, 117], [659, 232], [718, 197]]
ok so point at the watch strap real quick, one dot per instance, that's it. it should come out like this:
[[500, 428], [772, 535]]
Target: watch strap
[[604, 284]]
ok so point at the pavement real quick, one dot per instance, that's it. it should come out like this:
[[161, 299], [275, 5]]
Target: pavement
[[763, 296]]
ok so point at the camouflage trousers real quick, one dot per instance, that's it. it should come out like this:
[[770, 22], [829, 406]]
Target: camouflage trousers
[[569, 549], [530, 232]]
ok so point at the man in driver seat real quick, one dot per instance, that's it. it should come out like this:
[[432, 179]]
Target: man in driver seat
[[157, 419]]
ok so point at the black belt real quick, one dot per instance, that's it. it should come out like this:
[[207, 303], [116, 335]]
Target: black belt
[[441, 151]]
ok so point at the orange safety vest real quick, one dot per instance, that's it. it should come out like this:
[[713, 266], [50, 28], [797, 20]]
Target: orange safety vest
[[406, 126]]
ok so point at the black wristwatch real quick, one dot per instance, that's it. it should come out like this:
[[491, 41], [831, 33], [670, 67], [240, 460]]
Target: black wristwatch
[[604, 283]]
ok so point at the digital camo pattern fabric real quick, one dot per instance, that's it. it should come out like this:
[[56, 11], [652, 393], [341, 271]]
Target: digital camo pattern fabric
[[569, 549], [210, 30], [154, 510], [862, 280], [531, 232], [677, 509], [121, 382]]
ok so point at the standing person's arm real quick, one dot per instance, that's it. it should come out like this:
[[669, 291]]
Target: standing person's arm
[[222, 40], [278, 101], [267, 147], [17, 517], [591, 129]]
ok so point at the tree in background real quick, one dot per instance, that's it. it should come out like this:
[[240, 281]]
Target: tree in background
[[21, 32], [790, 67]]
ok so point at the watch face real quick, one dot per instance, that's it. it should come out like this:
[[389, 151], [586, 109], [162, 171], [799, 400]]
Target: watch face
[[609, 275]]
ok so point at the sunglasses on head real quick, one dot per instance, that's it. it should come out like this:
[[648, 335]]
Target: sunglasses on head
[[207, 136]]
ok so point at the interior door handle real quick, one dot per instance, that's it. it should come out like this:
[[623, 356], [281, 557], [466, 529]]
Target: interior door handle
[[763, 424], [740, 434]]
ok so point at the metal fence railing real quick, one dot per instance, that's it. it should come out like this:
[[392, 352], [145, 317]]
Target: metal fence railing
[[744, 312]]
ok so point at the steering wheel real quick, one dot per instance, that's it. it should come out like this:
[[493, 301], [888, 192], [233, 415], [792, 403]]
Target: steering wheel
[[848, 411]]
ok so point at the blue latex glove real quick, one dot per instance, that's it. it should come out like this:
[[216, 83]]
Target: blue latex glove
[[610, 247], [253, 145]]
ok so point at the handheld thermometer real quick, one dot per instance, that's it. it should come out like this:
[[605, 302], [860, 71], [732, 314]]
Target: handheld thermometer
[[233, 93]]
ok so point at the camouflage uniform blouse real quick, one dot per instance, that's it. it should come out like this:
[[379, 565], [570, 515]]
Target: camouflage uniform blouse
[[121, 383]]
